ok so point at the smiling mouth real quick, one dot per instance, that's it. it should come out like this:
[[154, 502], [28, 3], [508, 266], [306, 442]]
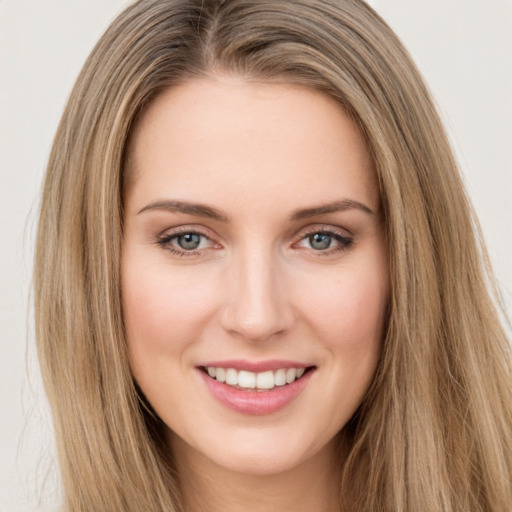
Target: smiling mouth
[[251, 381]]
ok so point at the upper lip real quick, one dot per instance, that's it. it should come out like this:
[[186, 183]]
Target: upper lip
[[255, 366]]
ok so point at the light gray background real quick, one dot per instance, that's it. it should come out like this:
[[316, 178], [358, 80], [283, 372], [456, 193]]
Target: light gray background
[[463, 47]]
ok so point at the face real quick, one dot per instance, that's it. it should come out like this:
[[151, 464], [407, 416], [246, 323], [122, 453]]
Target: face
[[254, 271]]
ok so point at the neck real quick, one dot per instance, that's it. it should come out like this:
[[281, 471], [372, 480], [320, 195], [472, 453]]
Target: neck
[[311, 485]]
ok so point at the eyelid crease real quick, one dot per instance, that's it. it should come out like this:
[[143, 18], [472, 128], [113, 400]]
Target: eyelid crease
[[168, 235], [342, 236], [185, 229], [325, 228], [345, 241], [165, 242]]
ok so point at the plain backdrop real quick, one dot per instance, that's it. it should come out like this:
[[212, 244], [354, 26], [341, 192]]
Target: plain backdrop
[[463, 48]]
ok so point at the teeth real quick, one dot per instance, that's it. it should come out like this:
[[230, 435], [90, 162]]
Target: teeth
[[231, 377], [291, 375], [265, 380], [280, 377], [246, 379], [250, 380]]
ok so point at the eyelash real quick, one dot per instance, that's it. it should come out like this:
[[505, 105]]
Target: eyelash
[[165, 242], [344, 241]]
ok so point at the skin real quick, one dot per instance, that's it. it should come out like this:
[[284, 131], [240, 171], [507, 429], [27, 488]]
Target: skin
[[256, 288]]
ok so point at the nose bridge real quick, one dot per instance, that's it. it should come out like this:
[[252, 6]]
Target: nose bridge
[[257, 305]]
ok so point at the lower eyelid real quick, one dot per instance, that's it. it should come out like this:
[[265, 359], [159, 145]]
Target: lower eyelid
[[167, 241], [343, 240]]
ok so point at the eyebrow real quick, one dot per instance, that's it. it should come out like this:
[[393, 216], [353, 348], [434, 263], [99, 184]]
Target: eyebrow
[[336, 206], [201, 210], [196, 209]]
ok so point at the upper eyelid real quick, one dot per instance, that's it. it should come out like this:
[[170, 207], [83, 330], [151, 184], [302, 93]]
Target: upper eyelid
[[342, 235], [305, 231], [165, 241], [179, 230], [323, 228]]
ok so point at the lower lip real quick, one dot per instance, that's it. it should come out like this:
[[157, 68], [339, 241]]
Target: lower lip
[[253, 402]]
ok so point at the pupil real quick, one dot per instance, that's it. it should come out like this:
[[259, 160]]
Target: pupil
[[189, 241], [320, 241]]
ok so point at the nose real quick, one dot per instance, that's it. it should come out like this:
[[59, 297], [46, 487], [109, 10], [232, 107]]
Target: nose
[[257, 306]]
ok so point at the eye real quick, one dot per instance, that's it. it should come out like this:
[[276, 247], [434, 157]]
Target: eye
[[325, 241], [185, 242], [189, 241], [320, 241]]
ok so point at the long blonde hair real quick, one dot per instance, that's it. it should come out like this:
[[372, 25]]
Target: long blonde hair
[[435, 430]]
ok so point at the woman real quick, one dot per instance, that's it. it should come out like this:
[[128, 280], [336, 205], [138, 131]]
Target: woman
[[257, 276]]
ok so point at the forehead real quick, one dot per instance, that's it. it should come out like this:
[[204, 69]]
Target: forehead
[[249, 137]]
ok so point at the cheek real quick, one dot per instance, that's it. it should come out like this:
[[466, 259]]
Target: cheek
[[351, 310], [348, 316], [164, 310], [353, 335]]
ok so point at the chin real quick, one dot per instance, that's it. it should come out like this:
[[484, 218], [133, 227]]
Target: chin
[[260, 453], [265, 462]]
